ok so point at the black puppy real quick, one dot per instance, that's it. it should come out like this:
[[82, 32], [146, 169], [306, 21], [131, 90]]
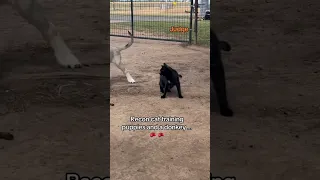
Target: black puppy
[[217, 74], [169, 78]]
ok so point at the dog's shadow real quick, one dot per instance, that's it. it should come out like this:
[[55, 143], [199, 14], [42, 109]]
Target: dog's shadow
[[172, 94], [122, 81], [214, 106]]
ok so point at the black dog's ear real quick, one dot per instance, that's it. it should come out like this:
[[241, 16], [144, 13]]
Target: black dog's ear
[[164, 64]]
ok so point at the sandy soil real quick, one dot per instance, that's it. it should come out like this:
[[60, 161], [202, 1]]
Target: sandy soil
[[178, 154], [274, 87]]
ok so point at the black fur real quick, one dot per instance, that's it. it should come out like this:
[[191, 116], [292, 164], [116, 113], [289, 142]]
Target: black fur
[[217, 73], [164, 84], [169, 78]]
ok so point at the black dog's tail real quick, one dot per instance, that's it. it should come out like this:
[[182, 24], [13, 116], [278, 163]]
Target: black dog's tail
[[179, 75]]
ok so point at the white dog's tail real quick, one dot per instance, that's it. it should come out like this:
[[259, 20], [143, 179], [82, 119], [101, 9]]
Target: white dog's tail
[[127, 45]]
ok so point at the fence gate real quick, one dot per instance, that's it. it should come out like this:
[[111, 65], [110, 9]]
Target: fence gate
[[158, 20]]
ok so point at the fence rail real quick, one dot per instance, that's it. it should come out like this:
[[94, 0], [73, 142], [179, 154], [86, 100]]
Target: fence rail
[[169, 21]]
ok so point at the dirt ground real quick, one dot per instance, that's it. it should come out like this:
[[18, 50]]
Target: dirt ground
[[274, 88], [178, 154], [58, 116]]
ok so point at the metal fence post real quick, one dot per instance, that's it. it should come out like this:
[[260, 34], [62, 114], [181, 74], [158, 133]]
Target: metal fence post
[[190, 28], [196, 20], [132, 18]]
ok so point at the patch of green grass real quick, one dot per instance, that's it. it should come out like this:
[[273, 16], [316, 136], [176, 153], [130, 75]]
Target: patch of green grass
[[162, 29], [177, 16], [203, 33]]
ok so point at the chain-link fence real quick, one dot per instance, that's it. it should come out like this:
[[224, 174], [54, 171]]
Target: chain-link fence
[[158, 20], [202, 25]]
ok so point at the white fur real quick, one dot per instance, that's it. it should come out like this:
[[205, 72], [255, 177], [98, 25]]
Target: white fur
[[129, 78], [62, 52], [116, 59]]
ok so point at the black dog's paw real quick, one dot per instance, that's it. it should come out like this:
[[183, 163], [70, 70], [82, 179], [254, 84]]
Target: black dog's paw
[[180, 96], [163, 96], [226, 112]]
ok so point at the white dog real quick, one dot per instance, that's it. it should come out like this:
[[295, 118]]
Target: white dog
[[32, 11], [115, 58]]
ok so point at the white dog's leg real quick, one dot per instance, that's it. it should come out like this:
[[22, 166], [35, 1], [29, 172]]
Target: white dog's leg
[[32, 11], [117, 61], [125, 72]]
